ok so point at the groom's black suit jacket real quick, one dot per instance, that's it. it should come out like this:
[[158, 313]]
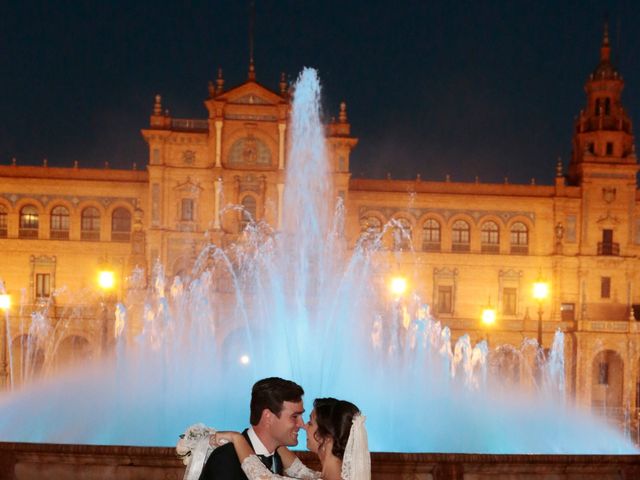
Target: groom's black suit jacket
[[223, 463]]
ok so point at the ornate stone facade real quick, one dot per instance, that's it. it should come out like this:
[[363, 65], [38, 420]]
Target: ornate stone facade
[[462, 245]]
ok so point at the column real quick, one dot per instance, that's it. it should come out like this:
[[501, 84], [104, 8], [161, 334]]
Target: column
[[218, 124], [216, 208], [282, 127]]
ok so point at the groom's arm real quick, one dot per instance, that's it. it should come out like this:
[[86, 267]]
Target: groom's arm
[[223, 464]]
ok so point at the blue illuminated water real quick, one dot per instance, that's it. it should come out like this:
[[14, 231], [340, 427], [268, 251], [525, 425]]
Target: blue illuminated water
[[299, 304]]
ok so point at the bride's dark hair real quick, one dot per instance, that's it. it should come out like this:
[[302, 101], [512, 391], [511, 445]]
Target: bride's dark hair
[[334, 418]]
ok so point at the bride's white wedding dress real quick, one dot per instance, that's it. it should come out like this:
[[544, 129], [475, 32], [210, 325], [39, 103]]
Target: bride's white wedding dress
[[254, 469]]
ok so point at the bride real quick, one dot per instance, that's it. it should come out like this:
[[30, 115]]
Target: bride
[[335, 432]]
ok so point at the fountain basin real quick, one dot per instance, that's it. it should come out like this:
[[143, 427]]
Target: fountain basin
[[44, 461]]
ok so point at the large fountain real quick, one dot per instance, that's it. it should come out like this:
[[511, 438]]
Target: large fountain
[[301, 304]]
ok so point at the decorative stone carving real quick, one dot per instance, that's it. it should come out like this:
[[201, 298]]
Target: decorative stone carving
[[249, 151], [189, 157]]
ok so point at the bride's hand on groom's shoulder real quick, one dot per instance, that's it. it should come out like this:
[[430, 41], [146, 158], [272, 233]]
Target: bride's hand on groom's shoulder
[[220, 438], [287, 456]]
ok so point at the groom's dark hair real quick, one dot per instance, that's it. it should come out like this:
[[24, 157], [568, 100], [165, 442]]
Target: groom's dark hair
[[271, 393]]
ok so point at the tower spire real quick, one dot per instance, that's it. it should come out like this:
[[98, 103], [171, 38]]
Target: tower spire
[[605, 49], [252, 20]]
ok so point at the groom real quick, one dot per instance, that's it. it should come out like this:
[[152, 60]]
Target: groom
[[276, 418]]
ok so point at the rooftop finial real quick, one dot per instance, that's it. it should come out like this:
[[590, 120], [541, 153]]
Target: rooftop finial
[[219, 82], [342, 117], [157, 106], [252, 20], [283, 84], [605, 49], [559, 167]]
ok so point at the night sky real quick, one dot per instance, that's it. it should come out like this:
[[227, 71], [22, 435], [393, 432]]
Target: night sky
[[466, 88]]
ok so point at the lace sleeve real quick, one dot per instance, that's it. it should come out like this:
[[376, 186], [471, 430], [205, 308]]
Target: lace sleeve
[[254, 469], [299, 470]]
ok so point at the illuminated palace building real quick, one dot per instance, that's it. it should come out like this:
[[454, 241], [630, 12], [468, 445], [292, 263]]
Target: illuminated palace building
[[579, 236]]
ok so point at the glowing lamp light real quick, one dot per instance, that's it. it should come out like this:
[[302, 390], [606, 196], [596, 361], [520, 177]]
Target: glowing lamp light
[[488, 316], [398, 285], [540, 290], [106, 280], [245, 360], [5, 301]]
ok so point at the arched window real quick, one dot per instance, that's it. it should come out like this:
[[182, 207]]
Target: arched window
[[401, 234], [249, 210], [28, 222], [121, 225], [490, 237], [3, 221], [371, 225], [431, 236], [460, 236], [519, 238], [90, 224], [59, 223], [607, 380]]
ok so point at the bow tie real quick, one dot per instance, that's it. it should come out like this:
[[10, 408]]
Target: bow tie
[[267, 460]]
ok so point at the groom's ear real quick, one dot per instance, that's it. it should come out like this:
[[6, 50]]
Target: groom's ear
[[266, 417]]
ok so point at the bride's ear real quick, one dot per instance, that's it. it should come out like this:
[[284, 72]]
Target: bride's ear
[[328, 444]]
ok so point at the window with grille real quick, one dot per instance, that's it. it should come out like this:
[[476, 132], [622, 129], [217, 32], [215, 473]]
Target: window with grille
[[249, 210], [509, 301], [431, 236], [460, 236], [28, 222], [445, 299], [605, 287], [603, 373], [59, 223], [3, 221], [519, 238], [490, 237], [186, 210], [567, 312], [43, 285], [90, 224], [121, 225]]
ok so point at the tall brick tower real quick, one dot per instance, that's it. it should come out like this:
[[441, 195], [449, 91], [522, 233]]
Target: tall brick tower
[[603, 138], [604, 163]]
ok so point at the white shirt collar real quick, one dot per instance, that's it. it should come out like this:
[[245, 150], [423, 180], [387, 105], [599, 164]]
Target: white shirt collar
[[258, 446]]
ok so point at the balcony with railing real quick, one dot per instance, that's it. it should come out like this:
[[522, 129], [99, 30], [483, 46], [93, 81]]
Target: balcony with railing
[[190, 125], [25, 232], [490, 248], [90, 235], [120, 236], [518, 249], [460, 247], [428, 246], [59, 235], [608, 248], [604, 122]]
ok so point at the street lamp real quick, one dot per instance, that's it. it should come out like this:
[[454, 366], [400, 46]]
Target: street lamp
[[106, 282], [398, 286], [5, 306], [488, 318], [540, 293]]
